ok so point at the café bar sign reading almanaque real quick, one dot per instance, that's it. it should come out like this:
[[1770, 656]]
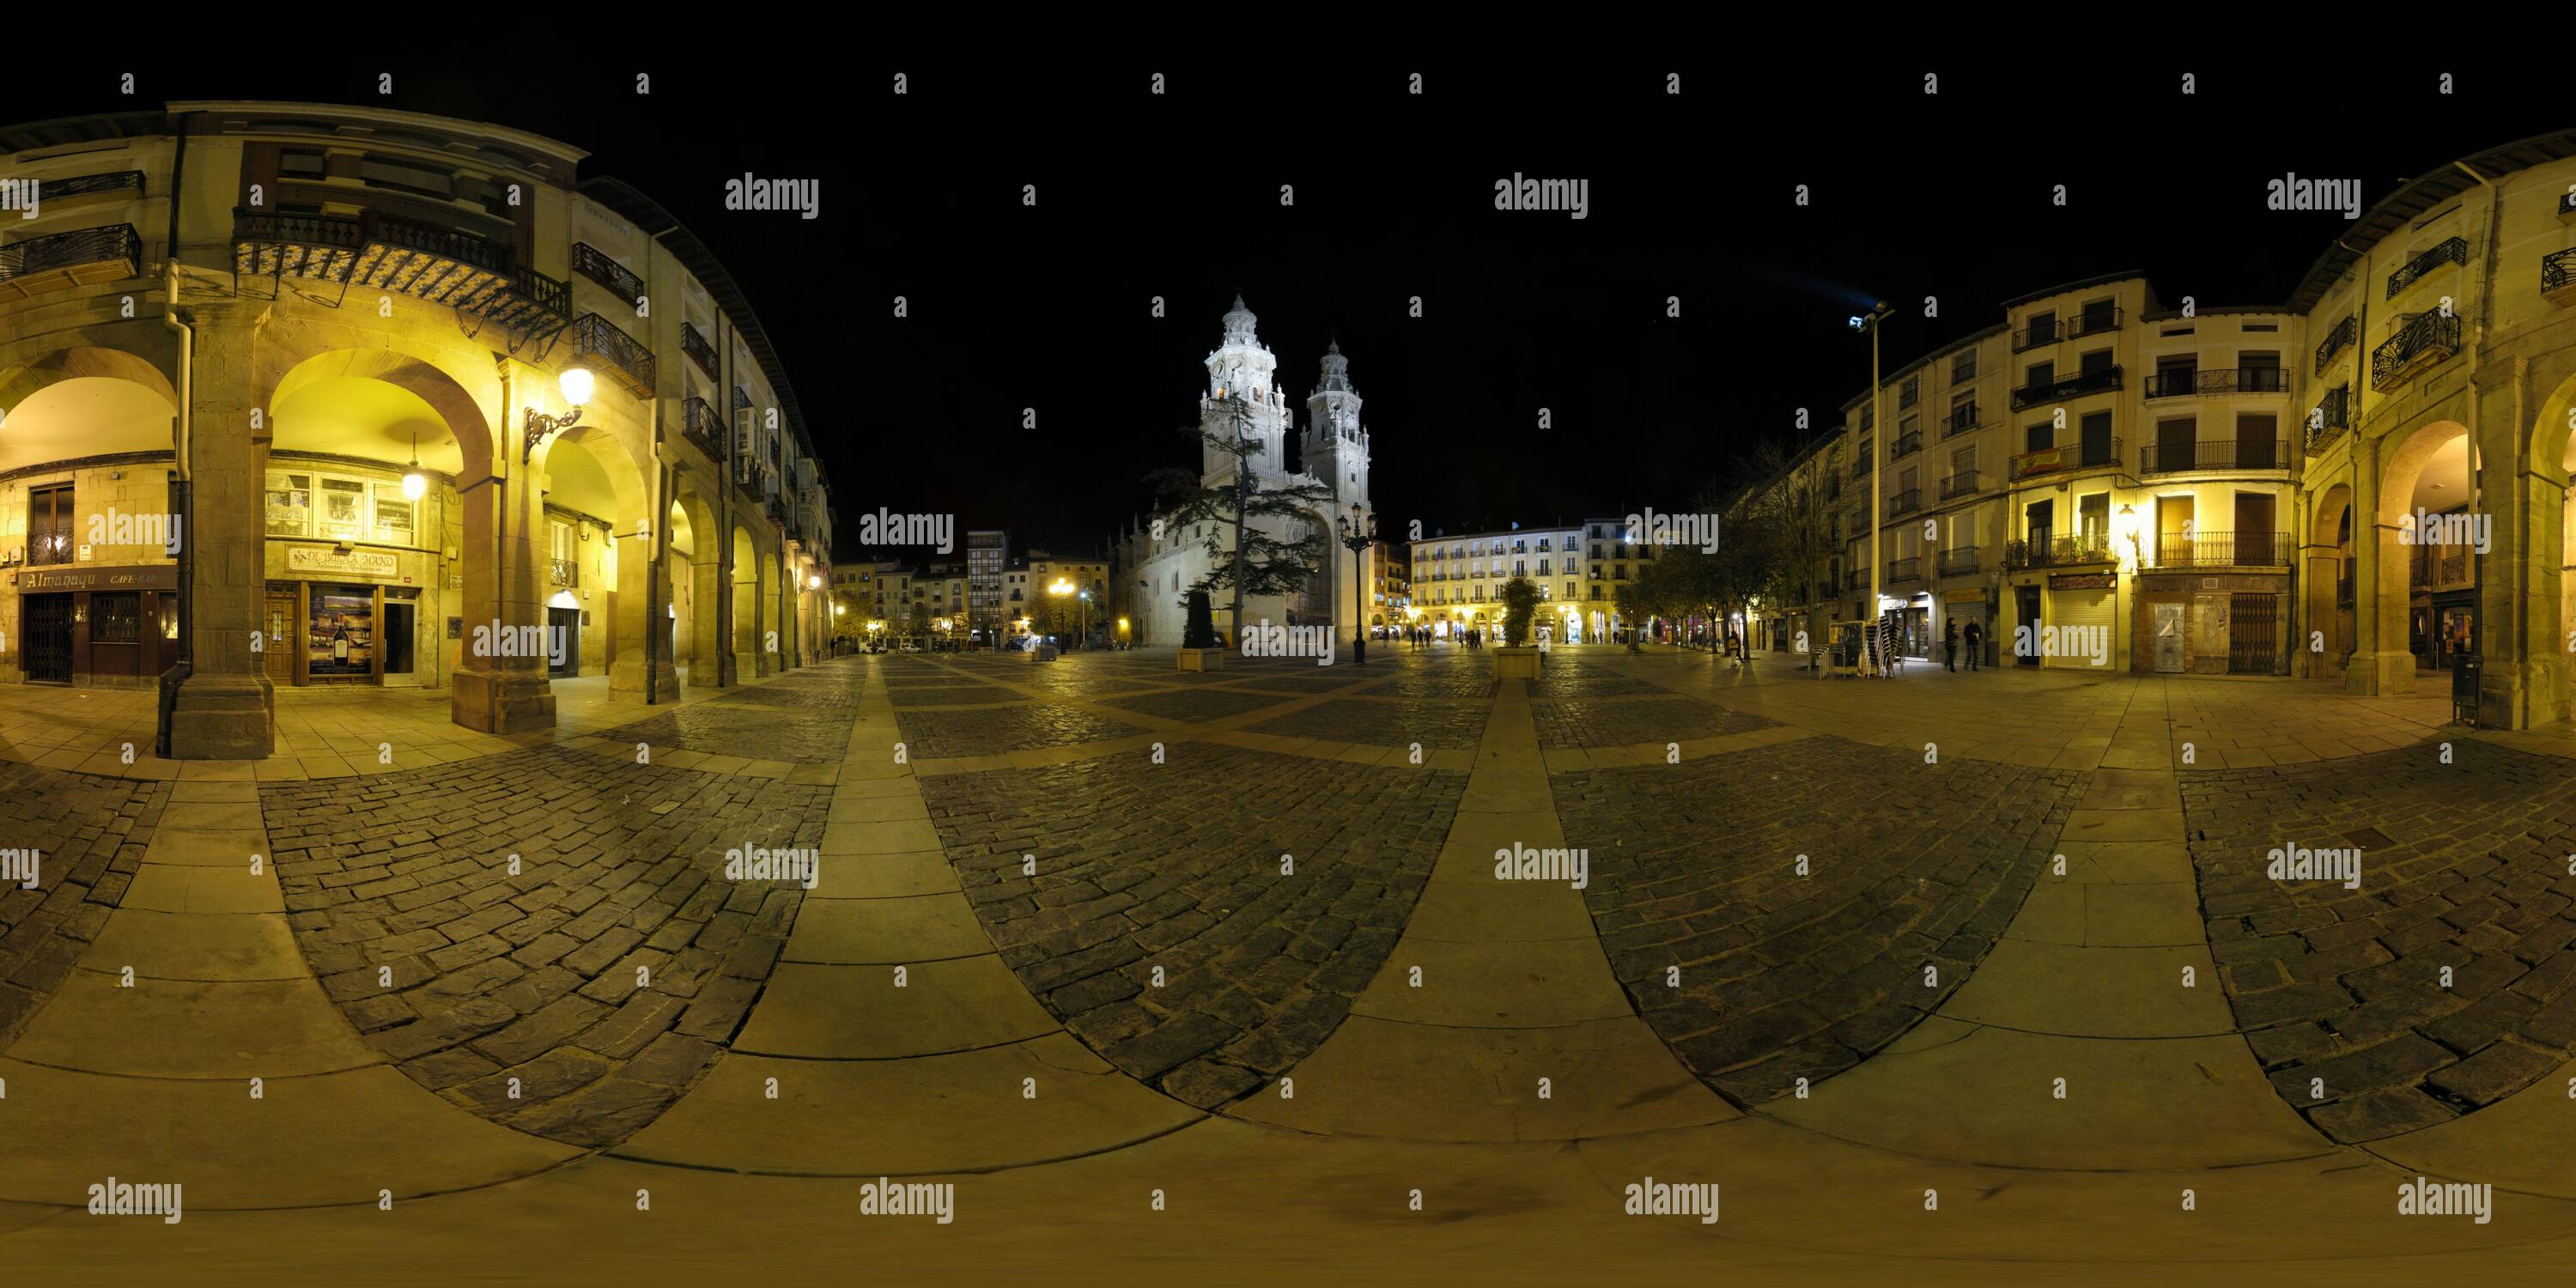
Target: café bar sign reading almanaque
[[337, 563], [51, 580]]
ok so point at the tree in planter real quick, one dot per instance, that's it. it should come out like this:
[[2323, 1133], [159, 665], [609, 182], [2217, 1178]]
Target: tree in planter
[[1259, 564], [1200, 632], [1520, 605]]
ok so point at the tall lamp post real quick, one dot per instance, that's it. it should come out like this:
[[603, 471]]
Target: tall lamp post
[[1359, 528], [1870, 322], [1059, 590]]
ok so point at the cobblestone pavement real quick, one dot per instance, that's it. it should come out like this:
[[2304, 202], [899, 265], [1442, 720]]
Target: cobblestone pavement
[[752, 730], [547, 938], [931, 734], [2440, 984], [1195, 704], [1177, 868], [1378, 722], [1622, 721], [85, 836], [1784, 975]]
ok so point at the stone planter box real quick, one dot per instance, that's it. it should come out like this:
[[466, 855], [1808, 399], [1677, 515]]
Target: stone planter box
[[1201, 659], [1517, 663]]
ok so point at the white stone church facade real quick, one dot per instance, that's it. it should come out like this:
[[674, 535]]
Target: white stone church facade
[[1154, 576]]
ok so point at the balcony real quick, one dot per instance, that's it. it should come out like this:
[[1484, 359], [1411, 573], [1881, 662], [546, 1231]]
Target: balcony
[[2220, 550], [1963, 483], [2037, 334], [2072, 456], [2217, 380], [699, 425], [595, 264], [2567, 207], [2214, 454], [2094, 322], [2422, 341], [698, 349], [1906, 445], [2101, 380], [2454, 251], [2558, 277], [1904, 503], [2344, 333], [1959, 562], [1901, 571], [618, 354], [563, 572], [1960, 420], [2333, 417], [1860, 469], [68, 261], [2045, 551], [476, 276]]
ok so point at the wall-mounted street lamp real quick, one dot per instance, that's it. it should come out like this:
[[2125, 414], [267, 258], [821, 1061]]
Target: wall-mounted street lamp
[[576, 384]]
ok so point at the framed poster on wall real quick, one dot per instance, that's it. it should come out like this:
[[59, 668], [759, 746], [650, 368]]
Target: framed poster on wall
[[341, 637]]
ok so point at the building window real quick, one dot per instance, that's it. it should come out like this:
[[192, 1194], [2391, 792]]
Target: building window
[[115, 619], [344, 508], [393, 515], [49, 524], [1963, 366]]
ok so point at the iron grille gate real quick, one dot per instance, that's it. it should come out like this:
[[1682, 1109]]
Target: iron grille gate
[[2253, 623], [47, 638]]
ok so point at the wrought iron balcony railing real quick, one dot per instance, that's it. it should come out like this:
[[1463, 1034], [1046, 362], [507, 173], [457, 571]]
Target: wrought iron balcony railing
[[2567, 205], [600, 267], [2037, 334], [2102, 380], [2046, 551], [1962, 483], [698, 349], [1906, 445], [1900, 571], [1860, 468], [2093, 322], [1959, 561], [2454, 251], [2215, 454], [65, 261], [2218, 380], [1905, 502], [2558, 277], [2220, 550], [2420, 342], [1961, 419], [625, 360], [475, 275], [90, 185], [563, 572], [700, 425], [2344, 333], [2071, 456], [2333, 417]]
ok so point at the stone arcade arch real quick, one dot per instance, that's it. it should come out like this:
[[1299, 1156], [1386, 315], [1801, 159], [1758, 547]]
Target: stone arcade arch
[[2431, 466], [583, 461], [2331, 594], [93, 427]]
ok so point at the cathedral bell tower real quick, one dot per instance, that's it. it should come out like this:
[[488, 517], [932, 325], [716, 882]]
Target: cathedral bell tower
[[1243, 397], [1334, 447]]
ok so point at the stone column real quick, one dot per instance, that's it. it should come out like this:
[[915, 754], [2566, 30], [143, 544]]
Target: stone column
[[637, 574], [746, 621], [225, 708], [2381, 662], [500, 684], [710, 648]]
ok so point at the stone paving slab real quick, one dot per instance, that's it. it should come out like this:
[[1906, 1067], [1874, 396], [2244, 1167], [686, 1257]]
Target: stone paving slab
[[230, 1031], [1013, 1105], [335, 1139], [860, 1013], [1426, 1082]]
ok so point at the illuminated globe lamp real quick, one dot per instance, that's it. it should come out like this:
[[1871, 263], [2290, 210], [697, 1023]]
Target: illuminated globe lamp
[[576, 384], [414, 484]]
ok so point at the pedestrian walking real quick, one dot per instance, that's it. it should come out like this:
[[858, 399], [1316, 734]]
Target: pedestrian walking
[[1976, 642], [1950, 645]]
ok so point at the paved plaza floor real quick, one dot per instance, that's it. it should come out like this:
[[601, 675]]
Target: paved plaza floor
[[1097, 970]]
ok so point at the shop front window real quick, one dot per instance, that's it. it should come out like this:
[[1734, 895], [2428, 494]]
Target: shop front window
[[290, 505]]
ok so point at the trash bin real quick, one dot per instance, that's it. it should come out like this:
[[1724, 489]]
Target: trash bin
[[2464, 689]]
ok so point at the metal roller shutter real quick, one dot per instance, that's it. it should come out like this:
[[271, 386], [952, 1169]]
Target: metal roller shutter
[[2085, 608]]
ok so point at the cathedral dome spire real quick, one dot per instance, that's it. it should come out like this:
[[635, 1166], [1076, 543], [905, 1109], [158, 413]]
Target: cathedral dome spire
[[1239, 322]]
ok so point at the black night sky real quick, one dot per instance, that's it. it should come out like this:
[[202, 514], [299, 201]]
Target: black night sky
[[1178, 196]]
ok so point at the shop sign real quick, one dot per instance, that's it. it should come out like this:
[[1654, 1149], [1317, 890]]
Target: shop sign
[[40, 581], [2084, 581], [337, 563]]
